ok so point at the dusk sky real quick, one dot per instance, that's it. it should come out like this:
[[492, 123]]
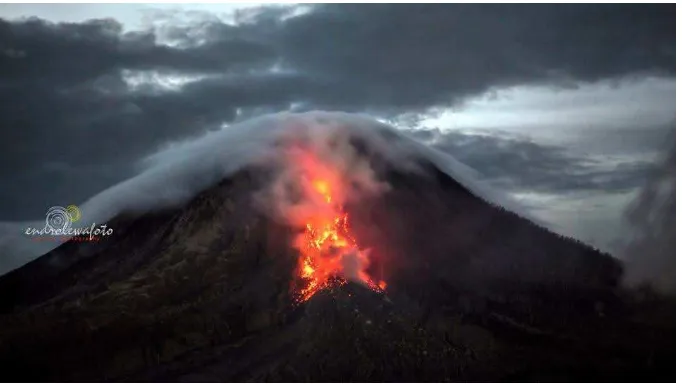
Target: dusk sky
[[566, 107]]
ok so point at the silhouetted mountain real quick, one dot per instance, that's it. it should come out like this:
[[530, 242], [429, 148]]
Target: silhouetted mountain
[[202, 292]]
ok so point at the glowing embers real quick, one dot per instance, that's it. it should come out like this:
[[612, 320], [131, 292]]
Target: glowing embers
[[328, 252]]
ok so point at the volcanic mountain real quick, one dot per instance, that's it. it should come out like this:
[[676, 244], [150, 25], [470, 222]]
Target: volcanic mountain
[[324, 260]]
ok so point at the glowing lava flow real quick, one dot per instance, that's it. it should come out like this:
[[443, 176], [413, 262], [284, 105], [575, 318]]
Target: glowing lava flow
[[329, 254]]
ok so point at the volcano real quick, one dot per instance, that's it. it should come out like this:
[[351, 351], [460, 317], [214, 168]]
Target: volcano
[[311, 264]]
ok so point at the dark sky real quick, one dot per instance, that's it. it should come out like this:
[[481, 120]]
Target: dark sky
[[564, 106]]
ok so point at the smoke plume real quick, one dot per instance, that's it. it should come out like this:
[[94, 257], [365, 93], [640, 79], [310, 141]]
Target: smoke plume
[[650, 253]]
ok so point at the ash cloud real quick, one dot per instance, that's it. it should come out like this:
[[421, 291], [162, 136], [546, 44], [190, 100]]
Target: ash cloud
[[313, 149], [353, 263]]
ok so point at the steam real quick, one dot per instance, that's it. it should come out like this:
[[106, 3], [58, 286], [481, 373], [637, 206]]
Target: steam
[[353, 263], [310, 151], [177, 173], [650, 253]]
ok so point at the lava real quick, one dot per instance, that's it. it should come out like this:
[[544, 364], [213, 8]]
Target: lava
[[328, 252]]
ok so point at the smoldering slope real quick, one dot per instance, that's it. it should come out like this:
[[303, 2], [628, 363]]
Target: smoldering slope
[[177, 173]]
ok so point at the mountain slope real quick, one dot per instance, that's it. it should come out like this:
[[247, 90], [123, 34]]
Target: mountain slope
[[203, 292]]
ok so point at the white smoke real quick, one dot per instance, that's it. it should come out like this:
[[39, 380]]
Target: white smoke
[[650, 252], [288, 199], [354, 262], [175, 174]]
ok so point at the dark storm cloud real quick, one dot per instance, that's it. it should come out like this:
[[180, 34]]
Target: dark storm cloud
[[63, 103], [67, 115], [66, 54], [523, 165], [413, 56]]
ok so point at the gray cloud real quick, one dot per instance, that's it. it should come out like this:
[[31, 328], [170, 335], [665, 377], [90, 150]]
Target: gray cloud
[[412, 56], [650, 251], [522, 165], [72, 125]]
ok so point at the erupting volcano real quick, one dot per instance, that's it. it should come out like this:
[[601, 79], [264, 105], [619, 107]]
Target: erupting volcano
[[259, 254], [328, 251]]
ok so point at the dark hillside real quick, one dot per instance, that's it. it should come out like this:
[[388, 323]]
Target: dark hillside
[[202, 292]]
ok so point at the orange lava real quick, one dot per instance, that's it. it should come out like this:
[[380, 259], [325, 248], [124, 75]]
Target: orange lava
[[328, 252]]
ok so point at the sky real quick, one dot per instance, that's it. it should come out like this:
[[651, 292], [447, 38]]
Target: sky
[[566, 107]]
